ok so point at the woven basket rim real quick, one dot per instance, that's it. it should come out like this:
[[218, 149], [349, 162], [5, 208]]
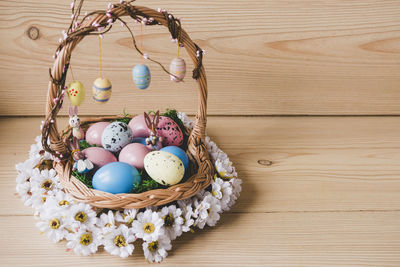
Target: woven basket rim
[[196, 145]]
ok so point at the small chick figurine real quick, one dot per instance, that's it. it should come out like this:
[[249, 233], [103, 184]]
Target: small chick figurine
[[75, 123], [81, 164], [153, 142]]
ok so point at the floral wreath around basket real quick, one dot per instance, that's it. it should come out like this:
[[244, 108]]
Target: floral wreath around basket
[[87, 218]]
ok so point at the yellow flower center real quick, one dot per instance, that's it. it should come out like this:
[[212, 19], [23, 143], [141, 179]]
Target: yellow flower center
[[63, 203], [214, 193], [54, 223], [81, 216], [148, 228], [129, 222], [168, 220], [119, 241], [153, 246], [43, 199], [107, 225], [86, 239], [47, 184]]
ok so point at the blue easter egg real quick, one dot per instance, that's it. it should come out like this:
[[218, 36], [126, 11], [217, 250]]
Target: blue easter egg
[[116, 178], [141, 76], [140, 140], [177, 151]]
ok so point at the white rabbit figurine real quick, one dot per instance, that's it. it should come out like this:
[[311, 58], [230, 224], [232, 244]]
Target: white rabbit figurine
[[75, 123]]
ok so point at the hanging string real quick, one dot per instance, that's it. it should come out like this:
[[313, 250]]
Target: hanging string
[[179, 37], [101, 67], [141, 43], [72, 73]]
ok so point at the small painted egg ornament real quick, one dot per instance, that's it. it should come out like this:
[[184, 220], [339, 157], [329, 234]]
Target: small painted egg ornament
[[76, 93], [177, 68], [95, 131], [134, 154], [179, 152], [116, 177], [141, 76], [115, 136], [164, 168], [101, 90]]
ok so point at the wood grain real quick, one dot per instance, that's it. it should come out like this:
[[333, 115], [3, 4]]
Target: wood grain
[[240, 239], [287, 164], [263, 57]]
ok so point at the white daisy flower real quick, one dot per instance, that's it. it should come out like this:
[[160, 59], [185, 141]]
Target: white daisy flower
[[38, 198], [188, 123], [53, 225], [225, 168], [236, 189], [187, 213], [24, 170], [127, 216], [148, 225], [212, 149], [106, 222], [119, 241], [84, 242], [45, 179], [156, 251], [24, 191], [172, 221], [222, 190], [37, 153], [207, 211], [81, 215]]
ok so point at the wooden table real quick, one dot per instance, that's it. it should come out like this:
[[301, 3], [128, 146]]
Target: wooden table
[[318, 191]]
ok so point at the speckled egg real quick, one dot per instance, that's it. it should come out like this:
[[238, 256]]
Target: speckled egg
[[134, 154], [141, 76], [169, 130], [76, 93], [163, 167], [95, 131], [99, 156], [115, 136], [178, 68], [101, 90], [116, 178], [139, 127]]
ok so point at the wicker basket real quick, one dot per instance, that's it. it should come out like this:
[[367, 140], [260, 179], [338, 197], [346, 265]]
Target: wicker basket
[[54, 142]]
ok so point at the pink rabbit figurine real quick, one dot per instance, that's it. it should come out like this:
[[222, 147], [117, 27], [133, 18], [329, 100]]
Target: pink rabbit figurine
[[153, 142], [81, 164], [75, 123]]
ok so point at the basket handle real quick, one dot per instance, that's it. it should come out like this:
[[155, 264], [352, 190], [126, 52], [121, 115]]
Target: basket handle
[[51, 139]]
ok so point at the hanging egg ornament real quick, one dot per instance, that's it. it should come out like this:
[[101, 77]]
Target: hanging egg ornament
[[177, 68], [141, 76], [76, 93], [101, 90]]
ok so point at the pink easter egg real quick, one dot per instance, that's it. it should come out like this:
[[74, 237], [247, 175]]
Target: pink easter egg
[[169, 130], [93, 134], [139, 127], [134, 154], [99, 156]]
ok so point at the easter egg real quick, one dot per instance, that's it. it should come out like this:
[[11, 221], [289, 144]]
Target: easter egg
[[76, 93], [134, 154], [178, 68], [141, 76], [140, 140], [98, 156], [179, 152], [139, 127], [101, 90], [116, 178], [164, 168], [169, 130], [115, 136], [95, 131]]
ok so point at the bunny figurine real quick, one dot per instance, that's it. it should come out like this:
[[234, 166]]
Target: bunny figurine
[[153, 142], [75, 123], [81, 164]]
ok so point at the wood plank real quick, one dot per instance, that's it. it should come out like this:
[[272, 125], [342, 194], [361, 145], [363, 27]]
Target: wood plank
[[287, 164], [241, 239], [263, 57]]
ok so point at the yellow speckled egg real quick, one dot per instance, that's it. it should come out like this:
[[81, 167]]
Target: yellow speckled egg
[[101, 90], [178, 68], [76, 93], [164, 168]]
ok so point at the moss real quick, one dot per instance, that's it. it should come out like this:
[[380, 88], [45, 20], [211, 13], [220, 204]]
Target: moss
[[83, 144], [126, 117], [84, 178]]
